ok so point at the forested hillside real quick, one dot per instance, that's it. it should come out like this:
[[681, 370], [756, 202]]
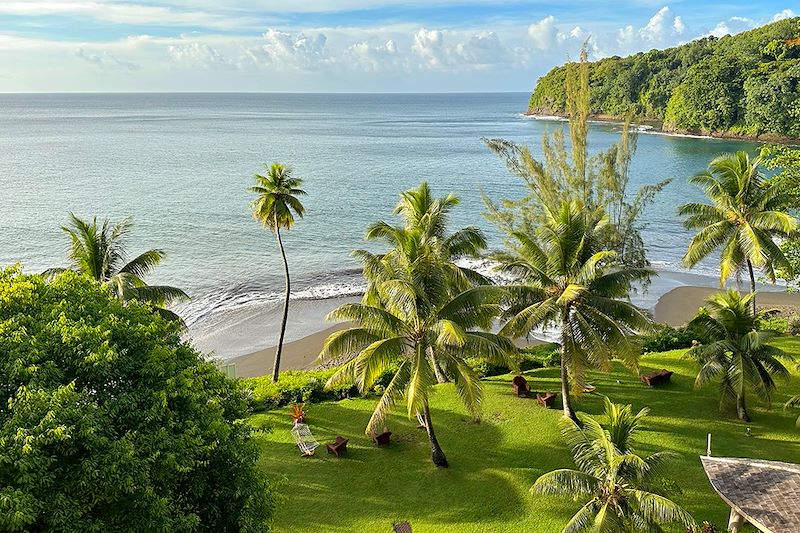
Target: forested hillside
[[746, 84]]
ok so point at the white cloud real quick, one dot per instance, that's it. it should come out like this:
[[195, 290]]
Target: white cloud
[[783, 15], [732, 26], [661, 26], [372, 57], [544, 33], [200, 54], [123, 13], [105, 59], [470, 51]]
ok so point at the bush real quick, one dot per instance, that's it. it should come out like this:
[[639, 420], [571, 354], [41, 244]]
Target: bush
[[294, 386], [793, 325], [668, 338], [109, 421], [531, 357]]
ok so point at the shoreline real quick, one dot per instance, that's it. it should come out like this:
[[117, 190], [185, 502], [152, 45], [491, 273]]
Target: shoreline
[[657, 128], [674, 307]]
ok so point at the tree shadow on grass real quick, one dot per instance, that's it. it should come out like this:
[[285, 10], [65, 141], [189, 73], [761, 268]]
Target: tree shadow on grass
[[376, 485]]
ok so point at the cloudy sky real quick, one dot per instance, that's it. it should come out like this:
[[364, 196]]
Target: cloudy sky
[[336, 45]]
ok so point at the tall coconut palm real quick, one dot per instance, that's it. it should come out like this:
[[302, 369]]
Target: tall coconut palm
[[566, 281], [421, 212], [742, 360], [743, 217], [621, 485], [276, 207], [416, 328], [99, 251]]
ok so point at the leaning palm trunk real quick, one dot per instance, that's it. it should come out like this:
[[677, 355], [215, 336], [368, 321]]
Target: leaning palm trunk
[[741, 408], [752, 284], [441, 377], [277, 367], [565, 389], [437, 454]]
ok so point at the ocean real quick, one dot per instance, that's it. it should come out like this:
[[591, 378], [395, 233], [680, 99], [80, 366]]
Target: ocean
[[180, 164]]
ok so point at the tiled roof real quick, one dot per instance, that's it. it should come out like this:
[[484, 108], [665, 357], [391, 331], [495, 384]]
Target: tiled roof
[[766, 493]]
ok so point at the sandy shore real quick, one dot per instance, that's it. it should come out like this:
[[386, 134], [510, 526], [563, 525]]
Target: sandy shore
[[680, 304], [297, 355], [675, 308]]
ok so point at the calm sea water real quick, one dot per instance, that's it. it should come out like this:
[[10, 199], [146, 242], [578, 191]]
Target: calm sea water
[[180, 165]]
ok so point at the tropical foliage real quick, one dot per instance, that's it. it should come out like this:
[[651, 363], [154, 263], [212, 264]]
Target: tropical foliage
[[623, 488], [416, 320], [109, 421], [600, 182], [276, 207], [786, 160], [742, 84], [567, 280], [743, 217], [742, 361], [100, 252]]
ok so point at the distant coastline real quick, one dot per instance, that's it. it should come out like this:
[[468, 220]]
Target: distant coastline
[[657, 126]]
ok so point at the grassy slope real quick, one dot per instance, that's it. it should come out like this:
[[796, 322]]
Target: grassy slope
[[494, 463]]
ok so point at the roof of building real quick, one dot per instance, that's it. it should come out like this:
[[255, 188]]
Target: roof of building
[[766, 493]]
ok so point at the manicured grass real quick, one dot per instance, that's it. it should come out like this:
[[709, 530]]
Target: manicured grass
[[494, 462]]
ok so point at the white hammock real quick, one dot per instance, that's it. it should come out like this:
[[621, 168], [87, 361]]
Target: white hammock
[[304, 439]]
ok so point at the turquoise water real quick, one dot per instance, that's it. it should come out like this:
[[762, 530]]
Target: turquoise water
[[180, 165]]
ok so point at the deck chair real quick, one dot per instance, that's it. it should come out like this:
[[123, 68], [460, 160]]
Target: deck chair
[[520, 386], [381, 439], [304, 439], [338, 447]]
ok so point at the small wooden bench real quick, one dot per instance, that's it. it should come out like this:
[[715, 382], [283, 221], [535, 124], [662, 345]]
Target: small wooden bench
[[547, 400], [381, 439], [521, 386], [656, 377], [338, 447]]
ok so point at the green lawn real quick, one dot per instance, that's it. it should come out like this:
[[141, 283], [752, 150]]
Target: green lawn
[[493, 463]]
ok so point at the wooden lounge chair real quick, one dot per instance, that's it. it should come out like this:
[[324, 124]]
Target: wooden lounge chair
[[521, 386], [338, 447], [402, 527], [656, 377], [381, 439], [547, 400], [304, 439]]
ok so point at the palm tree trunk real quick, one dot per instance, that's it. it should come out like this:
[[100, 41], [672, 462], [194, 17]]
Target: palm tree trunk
[[277, 367], [741, 408], [437, 455], [566, 401], [441, 377], [752, 284]]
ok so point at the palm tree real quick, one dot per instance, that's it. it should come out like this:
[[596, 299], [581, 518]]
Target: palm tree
[[99, 251], [276, 207], [620, 484], [742, 360], [565, 280], [415, 328], [745, 213], [423, 233]]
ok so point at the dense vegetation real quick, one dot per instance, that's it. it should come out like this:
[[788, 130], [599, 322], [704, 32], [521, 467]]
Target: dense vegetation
[[109, 422], [745, 84]]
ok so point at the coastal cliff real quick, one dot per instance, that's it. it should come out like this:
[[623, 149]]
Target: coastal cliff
[[742, 86]]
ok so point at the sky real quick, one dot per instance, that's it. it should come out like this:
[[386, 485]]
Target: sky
[[337, 45]]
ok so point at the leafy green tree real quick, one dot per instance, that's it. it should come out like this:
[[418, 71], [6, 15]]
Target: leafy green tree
[[108, 421], [786, 160], [743, 217], [568, 281], [567, 172], [413, 322], [99, 251], [276, 207], [623, 488], [742, 360]]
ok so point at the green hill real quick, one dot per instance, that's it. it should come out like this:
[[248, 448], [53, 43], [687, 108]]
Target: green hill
[[741, 85]]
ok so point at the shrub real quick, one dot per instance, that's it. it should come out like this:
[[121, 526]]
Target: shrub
[[294, 386], [793, 325], [109, 421], [668, 338], [531, 357]]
